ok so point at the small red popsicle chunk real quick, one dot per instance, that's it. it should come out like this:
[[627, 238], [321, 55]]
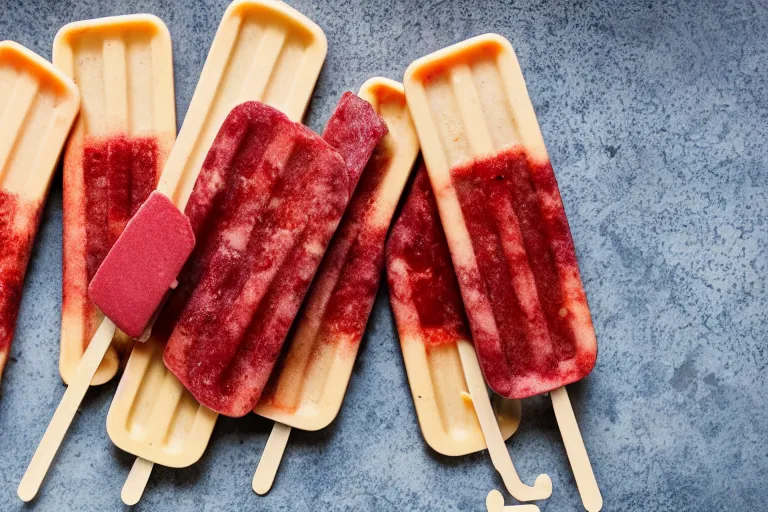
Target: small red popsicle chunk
[[423, 289], [350, 130], [265, 206], [142, 265]]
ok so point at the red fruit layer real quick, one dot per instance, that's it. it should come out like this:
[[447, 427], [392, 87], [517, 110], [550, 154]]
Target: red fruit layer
[[267, 201], [526, 265], [351, 130], [101, 192], [422, 284], [119, 174], [342, 295], [18, 225], [349, 276]]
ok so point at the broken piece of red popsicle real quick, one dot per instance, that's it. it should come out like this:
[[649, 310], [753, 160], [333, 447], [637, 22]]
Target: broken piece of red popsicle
[[143, 264]]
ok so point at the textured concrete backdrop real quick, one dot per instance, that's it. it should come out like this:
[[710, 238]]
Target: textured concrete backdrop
[[656, 116]]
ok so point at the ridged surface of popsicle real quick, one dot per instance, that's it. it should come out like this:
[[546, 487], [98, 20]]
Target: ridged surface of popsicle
[[266, 203], [264, 208], [123, 68], [38, 105], [505, 222], [309, 382]]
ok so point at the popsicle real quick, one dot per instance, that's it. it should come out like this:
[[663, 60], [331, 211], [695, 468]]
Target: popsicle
[[263, 50], [268, 245], [506, 228], [123, 68], [38, 105], [443, 372], [430, 320], [310, 379]]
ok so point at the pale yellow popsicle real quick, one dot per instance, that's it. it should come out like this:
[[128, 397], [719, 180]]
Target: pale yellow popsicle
[[309, 383], [263, 50], [124, 70], [38, 105]]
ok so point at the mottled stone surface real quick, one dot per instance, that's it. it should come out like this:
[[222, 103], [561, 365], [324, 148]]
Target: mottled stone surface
[[656, 116]]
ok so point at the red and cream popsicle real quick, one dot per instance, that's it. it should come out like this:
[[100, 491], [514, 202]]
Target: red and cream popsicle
[[506, 228], [123, 68], [430, 319], [455, 413], [310, 380], [38, 105], [263, 219]]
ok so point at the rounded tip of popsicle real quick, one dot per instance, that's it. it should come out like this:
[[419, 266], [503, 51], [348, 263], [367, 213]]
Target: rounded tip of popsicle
[[494, 502], [543, 485], [594, 505], [129, 498], [261, 488], [26, 493]]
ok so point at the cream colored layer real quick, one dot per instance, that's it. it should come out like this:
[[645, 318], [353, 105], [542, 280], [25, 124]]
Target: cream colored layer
[[439, 388], [164, 423], [37, 108], [123, 67], [263, 50], [315, 373]]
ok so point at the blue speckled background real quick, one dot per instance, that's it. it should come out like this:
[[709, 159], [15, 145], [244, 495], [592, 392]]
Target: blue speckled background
[[656, 117]]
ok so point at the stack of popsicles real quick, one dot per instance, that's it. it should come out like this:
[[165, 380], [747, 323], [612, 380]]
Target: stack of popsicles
[[258, 224], [310, 381]]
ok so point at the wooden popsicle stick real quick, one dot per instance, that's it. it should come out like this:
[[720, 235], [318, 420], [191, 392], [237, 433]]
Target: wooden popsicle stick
[[542, 488], [136, 482], [62, 418], [494, 502], [577, 452], [270, 458]]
